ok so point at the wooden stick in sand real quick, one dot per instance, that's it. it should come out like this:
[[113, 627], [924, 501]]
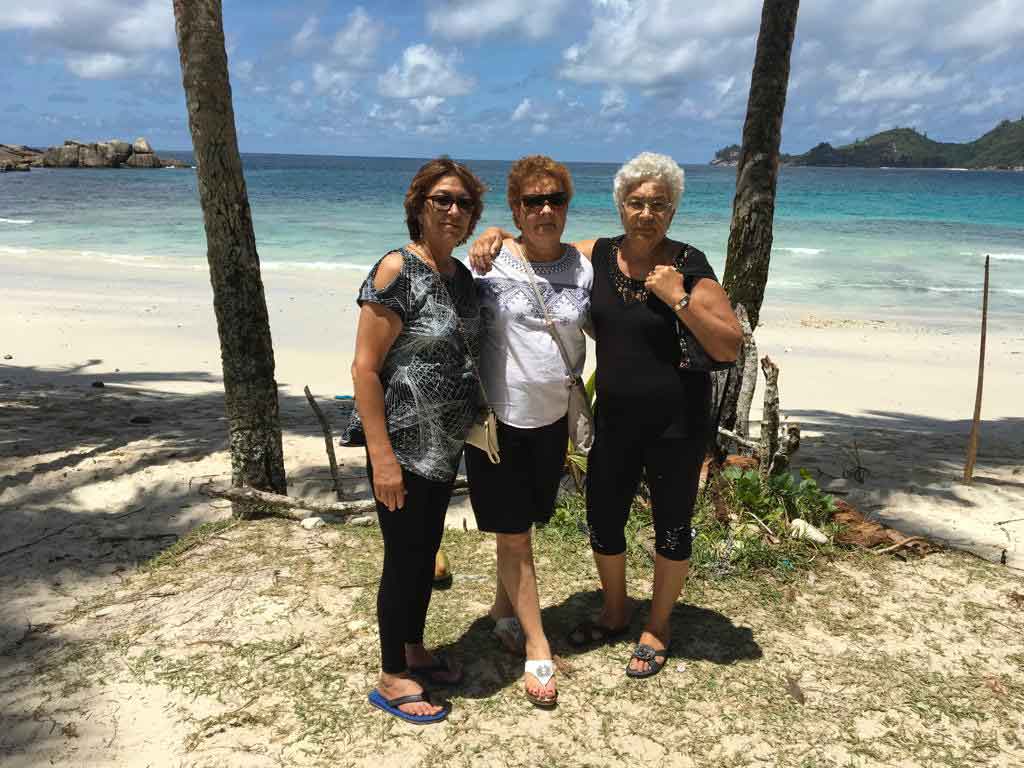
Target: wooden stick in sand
[[972, 443], [328, 441]]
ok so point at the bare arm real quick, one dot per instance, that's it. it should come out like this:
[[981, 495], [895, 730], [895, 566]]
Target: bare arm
[[709, 315], [486, 247], [377, 330]]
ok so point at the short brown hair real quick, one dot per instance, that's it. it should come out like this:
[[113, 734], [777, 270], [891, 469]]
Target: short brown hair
[[426, 177], [535, 165]]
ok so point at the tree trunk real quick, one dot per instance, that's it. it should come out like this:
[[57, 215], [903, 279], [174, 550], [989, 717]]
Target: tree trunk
[[247, 354], [750, 235]]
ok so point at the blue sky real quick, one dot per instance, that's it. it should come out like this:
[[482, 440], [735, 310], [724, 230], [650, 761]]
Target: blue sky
[[580, 80]]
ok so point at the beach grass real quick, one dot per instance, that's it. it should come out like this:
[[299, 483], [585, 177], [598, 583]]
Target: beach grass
[[261, 639]]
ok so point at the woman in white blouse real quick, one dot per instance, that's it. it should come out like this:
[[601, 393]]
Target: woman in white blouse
[[526, 382]]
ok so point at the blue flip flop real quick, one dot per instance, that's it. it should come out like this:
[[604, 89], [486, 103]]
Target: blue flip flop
[[391, 706]]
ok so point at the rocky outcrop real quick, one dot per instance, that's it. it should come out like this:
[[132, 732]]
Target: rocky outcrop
[[79, 154], [18, 157], [729, 156]]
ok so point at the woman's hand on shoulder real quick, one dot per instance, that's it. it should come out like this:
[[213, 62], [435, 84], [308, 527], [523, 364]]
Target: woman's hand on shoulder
[[485, 248]]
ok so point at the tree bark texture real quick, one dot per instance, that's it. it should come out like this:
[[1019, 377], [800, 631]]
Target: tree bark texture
[[753, 208], [247, 353], [748, 375], [770, 416]]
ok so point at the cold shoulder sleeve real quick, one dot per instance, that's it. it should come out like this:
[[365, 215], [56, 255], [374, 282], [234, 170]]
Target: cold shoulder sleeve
[[394, 296]]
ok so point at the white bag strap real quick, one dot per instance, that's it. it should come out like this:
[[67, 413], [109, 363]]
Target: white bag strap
[[572, 377]]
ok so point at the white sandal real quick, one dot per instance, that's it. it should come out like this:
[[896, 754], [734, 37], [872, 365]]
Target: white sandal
[[510, 634], [544, 671]]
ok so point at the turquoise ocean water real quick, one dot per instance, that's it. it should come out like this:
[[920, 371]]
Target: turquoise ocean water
[[871, 241]]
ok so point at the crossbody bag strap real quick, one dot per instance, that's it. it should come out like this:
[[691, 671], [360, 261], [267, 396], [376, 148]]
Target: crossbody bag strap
[[548, 322]]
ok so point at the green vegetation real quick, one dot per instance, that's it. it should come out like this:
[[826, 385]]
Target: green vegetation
[[1002, 147], [748, 532]]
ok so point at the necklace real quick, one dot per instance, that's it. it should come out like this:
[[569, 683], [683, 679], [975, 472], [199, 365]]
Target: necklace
[[631, 290]]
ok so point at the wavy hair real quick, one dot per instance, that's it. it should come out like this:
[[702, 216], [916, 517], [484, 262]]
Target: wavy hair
[[426, 177], [649, 166]]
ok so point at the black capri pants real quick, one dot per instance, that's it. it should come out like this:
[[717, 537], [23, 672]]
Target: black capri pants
[[615, 466]]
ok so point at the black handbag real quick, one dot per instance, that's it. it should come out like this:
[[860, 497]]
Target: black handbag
[[692, 356]]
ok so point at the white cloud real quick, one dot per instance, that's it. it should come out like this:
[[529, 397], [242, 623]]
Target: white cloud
[[306, 37], [424, 71], [297, 88], [868, 85], [477, 19], [101, 66], [613, 101], [98, 38], [356, 42], [349, 58], [521, 111], [427, 105]]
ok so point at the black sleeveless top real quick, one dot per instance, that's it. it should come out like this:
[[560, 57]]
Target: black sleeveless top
[[640, 387]]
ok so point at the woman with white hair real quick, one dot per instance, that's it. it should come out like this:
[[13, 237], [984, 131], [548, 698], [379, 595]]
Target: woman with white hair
[[653, 409]]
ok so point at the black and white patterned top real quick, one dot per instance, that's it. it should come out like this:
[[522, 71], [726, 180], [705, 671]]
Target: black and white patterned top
[[431, 391]]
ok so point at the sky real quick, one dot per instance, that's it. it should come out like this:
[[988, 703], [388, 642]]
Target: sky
[[579, 80]]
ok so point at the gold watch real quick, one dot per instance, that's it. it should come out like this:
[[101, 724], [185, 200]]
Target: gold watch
[[683, 303]]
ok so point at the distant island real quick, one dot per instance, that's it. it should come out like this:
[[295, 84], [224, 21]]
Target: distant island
[[1002, 148], [78, 154]]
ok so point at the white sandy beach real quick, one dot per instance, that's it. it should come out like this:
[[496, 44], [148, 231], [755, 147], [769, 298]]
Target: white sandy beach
[[88, 490], [902, 391]]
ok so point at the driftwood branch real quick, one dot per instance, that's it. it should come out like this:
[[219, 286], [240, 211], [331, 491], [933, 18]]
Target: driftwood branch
[[298, 507], [736, 438], [770, 416], [328, 441]]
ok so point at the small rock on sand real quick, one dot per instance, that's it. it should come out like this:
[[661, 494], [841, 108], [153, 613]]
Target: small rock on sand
[[312, 522]]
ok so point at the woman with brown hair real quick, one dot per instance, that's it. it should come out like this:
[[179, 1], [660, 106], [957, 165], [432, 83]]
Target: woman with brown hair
[[534, 300], [416, 392]]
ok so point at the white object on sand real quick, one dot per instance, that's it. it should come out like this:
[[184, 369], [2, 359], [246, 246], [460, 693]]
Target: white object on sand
[[801, 529], [312, 522]]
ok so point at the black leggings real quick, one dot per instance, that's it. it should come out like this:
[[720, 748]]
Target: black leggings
[[412, 536], [614, 468]]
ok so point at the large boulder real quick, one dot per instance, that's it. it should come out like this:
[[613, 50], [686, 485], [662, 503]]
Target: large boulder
[[144, 160], [141, 147], [92, 156], [62, 157], [122, 150]]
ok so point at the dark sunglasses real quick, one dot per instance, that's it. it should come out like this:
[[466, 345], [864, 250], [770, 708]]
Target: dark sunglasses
[[537, 202], [444, 202]]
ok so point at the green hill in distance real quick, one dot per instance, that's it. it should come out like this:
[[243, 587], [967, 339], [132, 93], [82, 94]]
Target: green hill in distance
[[1000, 148]]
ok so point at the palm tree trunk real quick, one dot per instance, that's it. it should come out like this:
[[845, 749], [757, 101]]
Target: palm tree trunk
[[750, 236], [247, 353]]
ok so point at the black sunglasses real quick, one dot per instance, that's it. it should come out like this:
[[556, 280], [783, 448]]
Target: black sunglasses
[[537, 202], [444, 202]]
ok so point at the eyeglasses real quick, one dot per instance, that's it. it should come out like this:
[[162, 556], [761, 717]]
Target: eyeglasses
[[537, 202], [443, 202], [657, 205]]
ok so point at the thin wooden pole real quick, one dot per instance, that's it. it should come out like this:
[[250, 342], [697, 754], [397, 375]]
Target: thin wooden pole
[[972, 443]]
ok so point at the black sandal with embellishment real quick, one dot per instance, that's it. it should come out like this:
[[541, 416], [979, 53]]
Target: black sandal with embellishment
[[646, 653]]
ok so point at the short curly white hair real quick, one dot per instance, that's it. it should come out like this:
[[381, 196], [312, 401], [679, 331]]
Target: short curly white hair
[[649, 166]]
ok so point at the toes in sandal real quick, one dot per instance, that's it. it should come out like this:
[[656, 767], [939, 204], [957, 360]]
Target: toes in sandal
[[592, 633], [543, 670], [646, 653], [510, 634], [439, 673], [391, 706]]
